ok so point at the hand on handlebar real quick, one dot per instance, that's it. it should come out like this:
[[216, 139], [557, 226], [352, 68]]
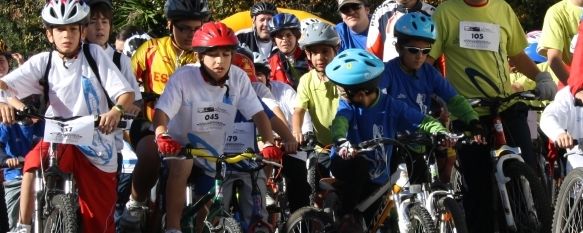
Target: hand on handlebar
[[7, 113], [167, 146], [564, 140], [271, 152], [545, 87], [13, 162], [109, 121], [345, 149]]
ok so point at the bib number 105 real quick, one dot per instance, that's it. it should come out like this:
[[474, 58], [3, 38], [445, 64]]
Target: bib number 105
[[478, 36]]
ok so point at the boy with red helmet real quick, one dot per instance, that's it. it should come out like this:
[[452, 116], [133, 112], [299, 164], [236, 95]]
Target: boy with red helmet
[[219, 86]]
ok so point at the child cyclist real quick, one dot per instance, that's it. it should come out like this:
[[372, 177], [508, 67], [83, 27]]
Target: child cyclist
[[319, 97], [413, 81], [365, 113], [218, 88], [74, 89]]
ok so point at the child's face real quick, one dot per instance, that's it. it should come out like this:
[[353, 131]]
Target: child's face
[[98, 29], [217, 62], [261, 77], [286, 41], [320, 56], [411, 57], [66, 38], [3, 65]]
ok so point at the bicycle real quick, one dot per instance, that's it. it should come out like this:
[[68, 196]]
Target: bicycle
[[55, 194], [569, 204], [219, 218], [316, 219], [520, 192]]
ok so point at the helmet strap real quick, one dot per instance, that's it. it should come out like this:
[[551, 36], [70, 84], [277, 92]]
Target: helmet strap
[[210, 80]]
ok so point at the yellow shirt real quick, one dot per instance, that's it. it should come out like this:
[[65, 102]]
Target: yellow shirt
[[320, 98], [154, 62], [560, 25]]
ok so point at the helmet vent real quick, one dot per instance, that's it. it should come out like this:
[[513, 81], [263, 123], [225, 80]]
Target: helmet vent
[[415, 26], [369, 63], [336, 68], [349, 60], [53, 13], [73, 12]]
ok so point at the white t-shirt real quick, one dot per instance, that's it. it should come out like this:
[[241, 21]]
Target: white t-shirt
[[126, 69], [561, 115], [198, 111], [75, 91], [265, 47], [286, 97], [265, 94]]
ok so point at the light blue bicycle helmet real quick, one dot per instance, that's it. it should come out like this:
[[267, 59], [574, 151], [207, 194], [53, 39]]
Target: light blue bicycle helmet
[[415, 25], [284, 21], [355, 69]]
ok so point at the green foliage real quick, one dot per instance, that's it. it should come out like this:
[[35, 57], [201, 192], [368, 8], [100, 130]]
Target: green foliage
[[22, 28]]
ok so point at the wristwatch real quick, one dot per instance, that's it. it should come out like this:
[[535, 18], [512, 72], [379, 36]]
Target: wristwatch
[[119, 108]]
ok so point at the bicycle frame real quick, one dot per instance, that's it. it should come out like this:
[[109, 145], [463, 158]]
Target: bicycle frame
[[46, 185]]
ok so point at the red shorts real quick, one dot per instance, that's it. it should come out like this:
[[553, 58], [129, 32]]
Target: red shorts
[[97, 189]]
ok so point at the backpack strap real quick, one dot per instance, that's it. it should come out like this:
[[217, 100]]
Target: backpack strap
[[117, 59], [93, 66], [44, 82]]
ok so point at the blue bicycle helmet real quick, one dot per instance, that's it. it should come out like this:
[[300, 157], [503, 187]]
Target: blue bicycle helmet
[[355, 69], [530, 50], [284, 21], [415, 25]]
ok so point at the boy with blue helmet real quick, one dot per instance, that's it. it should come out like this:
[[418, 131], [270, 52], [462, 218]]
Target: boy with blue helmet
[[364, 113]]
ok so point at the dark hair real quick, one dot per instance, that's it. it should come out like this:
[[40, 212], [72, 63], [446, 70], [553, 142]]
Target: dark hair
[[127, 32], [103, 9]]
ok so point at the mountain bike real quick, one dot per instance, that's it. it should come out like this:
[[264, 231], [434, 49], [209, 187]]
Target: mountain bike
[[568, 216], [379, 203], [520, 193], [219, 218], [56, 207]]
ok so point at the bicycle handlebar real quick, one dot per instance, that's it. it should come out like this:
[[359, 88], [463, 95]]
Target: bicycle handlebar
[[20, 163], [190, 153], [32, 113], [497, 101]]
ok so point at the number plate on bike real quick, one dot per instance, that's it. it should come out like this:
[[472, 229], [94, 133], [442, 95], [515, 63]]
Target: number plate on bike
[[76, 132]]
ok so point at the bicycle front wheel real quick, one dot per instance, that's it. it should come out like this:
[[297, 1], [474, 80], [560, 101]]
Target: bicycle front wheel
[[530, 206], [420, 220], [309, 219], [62, 217], [569, 206], [451, 217], [222, 225]]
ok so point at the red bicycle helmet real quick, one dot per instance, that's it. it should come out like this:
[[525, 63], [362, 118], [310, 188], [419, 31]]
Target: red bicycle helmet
[[213, 34]]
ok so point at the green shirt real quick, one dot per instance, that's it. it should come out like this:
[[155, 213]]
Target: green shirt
[[559, 27], [320, 98]]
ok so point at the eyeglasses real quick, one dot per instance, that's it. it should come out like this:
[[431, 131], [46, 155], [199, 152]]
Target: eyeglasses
[[415, 50], [350, 7], [186, 29]]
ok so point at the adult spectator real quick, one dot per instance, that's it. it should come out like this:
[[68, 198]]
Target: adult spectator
[[478, 37], [381, 38], [354, 26], [259, 39], [559, 27]]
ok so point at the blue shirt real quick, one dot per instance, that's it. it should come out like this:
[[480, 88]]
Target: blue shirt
[[18, 140], [383, 119], [350, 39], [415, 90]]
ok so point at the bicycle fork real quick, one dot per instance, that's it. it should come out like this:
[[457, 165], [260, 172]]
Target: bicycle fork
[[512, 153]]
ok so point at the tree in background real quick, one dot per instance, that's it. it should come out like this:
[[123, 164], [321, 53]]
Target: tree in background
[[22, 28]]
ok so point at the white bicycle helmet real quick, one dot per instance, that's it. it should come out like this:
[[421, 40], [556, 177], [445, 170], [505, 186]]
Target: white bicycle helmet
[[306, 22], [133, 43], [65, 12]]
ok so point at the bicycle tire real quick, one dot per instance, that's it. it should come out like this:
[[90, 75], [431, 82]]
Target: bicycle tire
[[454, 216], [225, 225], [63, 216], [524, 220], [309, 219], [420, 220], [567, 197]]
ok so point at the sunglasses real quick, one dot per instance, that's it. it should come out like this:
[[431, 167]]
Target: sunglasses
[[185, 29], [415, 50], [350, 7]]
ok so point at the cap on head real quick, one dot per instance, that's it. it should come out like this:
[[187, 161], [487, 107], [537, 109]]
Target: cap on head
[[344, 2]]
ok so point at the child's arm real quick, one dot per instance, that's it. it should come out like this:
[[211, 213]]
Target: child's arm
[[555, 119], [297, 121], [459, 107]]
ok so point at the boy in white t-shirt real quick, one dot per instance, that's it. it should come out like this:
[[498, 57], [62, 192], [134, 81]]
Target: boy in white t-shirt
[[198, 107], [73, 88]]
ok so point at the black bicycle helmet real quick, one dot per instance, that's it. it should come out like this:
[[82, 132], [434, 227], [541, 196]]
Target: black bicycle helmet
[[95, 2], [186, 9], [263, 8]]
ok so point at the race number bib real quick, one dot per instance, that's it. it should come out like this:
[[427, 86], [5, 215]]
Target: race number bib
[[480, 36], [75, 132], [213, 117], [240, 138]]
